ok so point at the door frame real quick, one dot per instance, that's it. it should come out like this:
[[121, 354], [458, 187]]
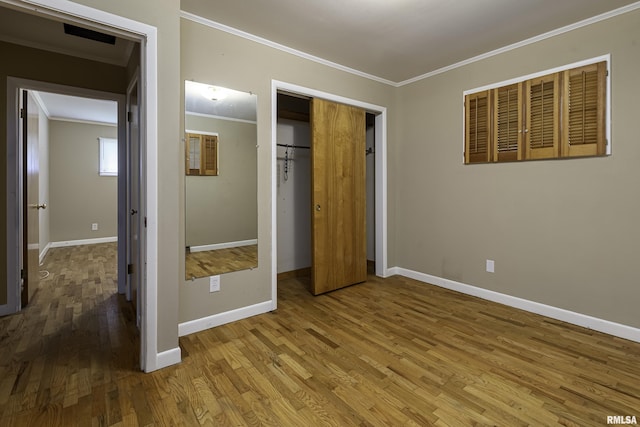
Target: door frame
[[380, 112], [146, 35]]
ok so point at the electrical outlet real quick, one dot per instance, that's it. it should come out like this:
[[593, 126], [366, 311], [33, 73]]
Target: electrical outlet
[[94, 226], [491, 266], [214, 283]]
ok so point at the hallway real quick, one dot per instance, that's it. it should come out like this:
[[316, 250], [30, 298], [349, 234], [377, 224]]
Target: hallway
[[66, 357]]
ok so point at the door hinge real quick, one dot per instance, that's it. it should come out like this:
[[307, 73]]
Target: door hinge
[[22, 273], [22, 113], [145, 222], [129, 116], [129, 268]]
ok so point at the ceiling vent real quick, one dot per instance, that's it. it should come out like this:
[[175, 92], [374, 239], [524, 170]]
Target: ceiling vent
[[89, 34]]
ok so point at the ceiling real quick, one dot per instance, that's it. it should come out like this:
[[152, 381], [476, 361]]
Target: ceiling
[[398, 40], [65, 107], [391, 41]]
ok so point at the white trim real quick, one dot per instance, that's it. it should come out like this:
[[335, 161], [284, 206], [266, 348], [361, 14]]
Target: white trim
[[147, 36], [212, 321], [380, 173], [43, 107], [590, 322], [228, 119], [80, 242], [201, 132], [44, 252], [149, 131], [168, 358], [226, 245], [274, 191], [278, 46], [535, 39]]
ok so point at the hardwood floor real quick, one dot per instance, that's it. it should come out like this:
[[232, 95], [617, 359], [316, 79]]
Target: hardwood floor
[[220, 261], [383, 353]]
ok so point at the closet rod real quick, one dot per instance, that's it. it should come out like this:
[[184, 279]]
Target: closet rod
[[292, 146], [367, 151]]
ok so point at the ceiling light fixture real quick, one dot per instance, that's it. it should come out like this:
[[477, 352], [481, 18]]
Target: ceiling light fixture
[[214, 93]]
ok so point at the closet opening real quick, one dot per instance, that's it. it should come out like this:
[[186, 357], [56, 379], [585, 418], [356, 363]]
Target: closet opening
[[294, 182]]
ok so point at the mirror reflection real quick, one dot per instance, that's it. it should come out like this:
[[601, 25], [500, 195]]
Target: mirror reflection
[[221, 180]]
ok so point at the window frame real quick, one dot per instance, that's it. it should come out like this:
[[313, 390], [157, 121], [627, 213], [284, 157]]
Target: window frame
[[522, 81], [102, 168]]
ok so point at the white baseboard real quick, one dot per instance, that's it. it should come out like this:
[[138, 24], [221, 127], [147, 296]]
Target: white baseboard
[[66, 243], [208, 322], [601, 325], [168, 358], [43, 254], [225, 245]]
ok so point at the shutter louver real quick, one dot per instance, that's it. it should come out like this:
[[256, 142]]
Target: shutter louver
[[210, 155], [584, 121], [193, 154], [477, 128], [201, 154], [542, 132], [508, 123]]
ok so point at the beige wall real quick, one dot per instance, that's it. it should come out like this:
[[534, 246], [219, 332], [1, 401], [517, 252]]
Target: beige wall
[[79, 196], [223, 208], [214, 57], [563, 233]]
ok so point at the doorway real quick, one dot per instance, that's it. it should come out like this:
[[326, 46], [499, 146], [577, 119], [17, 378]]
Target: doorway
[[290, 137], [70, 169], [146, 38]]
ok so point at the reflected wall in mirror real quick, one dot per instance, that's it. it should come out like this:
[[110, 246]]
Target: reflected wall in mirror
[[221, 212]]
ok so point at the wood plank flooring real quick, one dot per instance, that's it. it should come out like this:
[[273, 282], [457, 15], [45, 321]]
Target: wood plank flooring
[[390, 352], [220, 261]]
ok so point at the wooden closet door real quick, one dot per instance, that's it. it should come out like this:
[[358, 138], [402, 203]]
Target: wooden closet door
[[338, 180]]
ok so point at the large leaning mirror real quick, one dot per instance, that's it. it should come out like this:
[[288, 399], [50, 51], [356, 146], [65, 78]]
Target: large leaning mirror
[[221, 212]]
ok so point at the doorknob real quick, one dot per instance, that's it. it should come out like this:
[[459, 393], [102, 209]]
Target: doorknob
[[133, 211], [318, 208], [42, 206]]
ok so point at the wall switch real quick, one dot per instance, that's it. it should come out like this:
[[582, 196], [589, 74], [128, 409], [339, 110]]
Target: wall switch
[[491, 266], [94, 226], [214, 283]]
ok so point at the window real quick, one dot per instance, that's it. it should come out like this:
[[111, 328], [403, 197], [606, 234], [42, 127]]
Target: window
[[108, 164], [201, 154], [558, 115]]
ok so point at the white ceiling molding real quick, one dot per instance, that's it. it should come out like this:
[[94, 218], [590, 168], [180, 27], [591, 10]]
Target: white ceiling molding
[[547, 35], [278, 46], [301, 54]]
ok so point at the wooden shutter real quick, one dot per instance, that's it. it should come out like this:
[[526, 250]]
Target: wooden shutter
[[477, 128], [542, 133], [192, 154], [201, 154], [209, 155], [507, 123], [584, 111]]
